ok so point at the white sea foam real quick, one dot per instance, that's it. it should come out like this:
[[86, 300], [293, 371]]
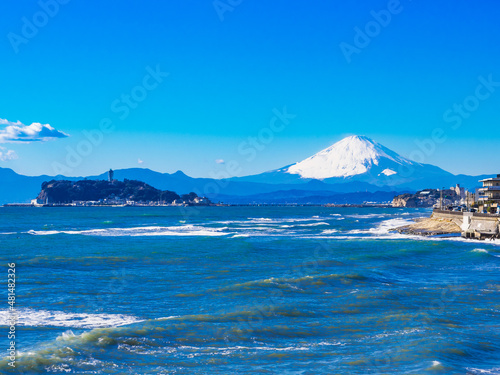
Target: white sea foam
[[397, 333], [492, 371], [357, 231], [281, 233], [368, 216], [495, 242], [480, 251], [52, 232], [382, 229], [436, 365], [246, 348], [44, 318], [328, 343], [265, 227], [329, 231], [387, 225], [285, 219], [184, 230], [304, 225]]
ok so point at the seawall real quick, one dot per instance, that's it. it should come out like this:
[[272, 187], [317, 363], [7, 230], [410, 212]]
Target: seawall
[[472, 224]]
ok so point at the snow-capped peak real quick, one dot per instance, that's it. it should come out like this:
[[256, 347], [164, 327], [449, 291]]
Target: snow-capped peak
[[349, 157]]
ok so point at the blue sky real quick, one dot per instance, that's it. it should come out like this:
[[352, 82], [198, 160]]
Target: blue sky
[[209, 78]]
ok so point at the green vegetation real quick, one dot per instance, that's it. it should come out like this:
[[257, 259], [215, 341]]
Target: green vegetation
[[64, 191]]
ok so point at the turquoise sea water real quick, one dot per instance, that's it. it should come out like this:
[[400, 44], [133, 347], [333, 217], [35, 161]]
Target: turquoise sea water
[[245, 290]]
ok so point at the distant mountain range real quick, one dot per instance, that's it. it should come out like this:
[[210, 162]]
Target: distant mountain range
[[342, 173], [358, 159]]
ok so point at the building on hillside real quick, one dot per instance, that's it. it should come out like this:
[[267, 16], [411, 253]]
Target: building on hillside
[[111, 174], [477, 194], [460, 191], [202, 201]]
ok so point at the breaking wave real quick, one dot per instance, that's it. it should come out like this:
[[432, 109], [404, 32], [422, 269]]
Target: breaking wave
[[44, 318], [185, 230]]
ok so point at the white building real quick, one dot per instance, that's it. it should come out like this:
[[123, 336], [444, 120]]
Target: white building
[[490, 190], [460, 191]]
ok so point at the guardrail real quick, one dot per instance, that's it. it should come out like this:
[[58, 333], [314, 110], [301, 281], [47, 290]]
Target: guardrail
[[478, 214], [458, 213]]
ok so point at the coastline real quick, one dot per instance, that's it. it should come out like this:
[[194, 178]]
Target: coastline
[[381, 205], [430, 226], [469, 225]]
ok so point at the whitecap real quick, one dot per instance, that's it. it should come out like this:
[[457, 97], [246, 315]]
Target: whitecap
[[492, 371], [304, 225], [480, 251], [368, 216], [45, 318], [329, 231], [184, 230]]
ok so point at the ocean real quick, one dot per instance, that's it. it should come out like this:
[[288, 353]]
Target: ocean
[[244, 290]]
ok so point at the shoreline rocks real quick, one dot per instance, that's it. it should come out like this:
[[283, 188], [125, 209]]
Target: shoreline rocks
[[429, 227]]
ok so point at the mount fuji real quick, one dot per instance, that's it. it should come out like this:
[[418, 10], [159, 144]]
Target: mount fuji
[[349, 157], [359, 159], [353, 170]]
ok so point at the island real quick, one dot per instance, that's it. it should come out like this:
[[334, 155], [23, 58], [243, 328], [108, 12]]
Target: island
[[111, 193]]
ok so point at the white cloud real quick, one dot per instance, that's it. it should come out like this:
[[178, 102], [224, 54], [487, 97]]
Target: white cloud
[[6, 155], [220, 161], [140, 161], [18, 132]]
